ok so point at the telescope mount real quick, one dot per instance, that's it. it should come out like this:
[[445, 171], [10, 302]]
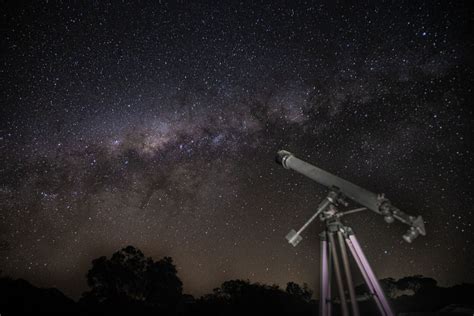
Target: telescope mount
[[334, 241]]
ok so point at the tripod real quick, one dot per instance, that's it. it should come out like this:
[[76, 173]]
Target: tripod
[[330, 250]]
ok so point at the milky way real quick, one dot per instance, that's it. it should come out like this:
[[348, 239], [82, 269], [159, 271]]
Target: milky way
[[156, 125]]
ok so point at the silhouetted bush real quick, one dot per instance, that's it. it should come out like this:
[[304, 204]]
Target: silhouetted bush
[[238, 297]]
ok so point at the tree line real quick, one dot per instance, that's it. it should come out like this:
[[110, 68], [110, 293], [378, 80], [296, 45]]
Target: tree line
[[130, 283]]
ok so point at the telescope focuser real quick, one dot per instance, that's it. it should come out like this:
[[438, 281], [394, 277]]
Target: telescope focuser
[[390, 213]]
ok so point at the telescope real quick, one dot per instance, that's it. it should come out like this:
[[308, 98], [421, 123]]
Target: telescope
[[337, 240], [374, 202]]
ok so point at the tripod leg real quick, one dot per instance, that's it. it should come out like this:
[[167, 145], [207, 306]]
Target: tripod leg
[[350, 284], [369, 276], [364, 273], [337, 270], [329, 261], [324, 275]]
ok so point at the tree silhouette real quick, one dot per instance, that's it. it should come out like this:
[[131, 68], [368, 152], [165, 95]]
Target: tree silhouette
[[163, 284], [303, 293], [237, 297], [416, 283], [129, 276]]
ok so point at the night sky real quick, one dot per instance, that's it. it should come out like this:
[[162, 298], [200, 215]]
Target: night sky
[[156, 125]]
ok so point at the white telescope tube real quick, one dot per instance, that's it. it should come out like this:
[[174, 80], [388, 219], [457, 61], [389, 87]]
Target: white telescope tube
[[352, 191]]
